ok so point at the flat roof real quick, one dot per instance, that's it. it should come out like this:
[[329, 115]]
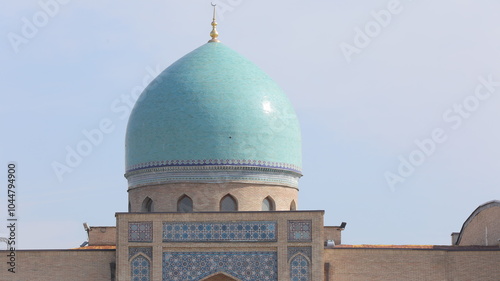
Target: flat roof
[[418, 247], [217, 212]]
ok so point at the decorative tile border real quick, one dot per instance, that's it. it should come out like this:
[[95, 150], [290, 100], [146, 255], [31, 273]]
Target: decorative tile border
[[140, 231], [246, 266], [306, 251], [300, 231], [147, 251], [146, 177], [249, 231], [215, 162]]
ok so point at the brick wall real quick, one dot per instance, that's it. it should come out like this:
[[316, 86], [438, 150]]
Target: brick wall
[[333, 233], [206, 197], [483, 229], [102, 235], [60, 265], [412, 265], [474, 265]]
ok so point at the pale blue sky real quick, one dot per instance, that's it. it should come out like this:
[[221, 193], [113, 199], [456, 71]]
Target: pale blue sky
[[83, 61]]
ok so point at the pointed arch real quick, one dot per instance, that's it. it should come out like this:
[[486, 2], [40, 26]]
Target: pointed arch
[[140, 268], [147, 205], [293, 206], [129, 207], [300, 268], [185, 204], [268, 204], [220, 276], [228, 204]]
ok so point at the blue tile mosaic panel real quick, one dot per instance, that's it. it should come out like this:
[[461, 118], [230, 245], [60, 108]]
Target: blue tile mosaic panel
[[246, 266], [299, 231], [140, 269], [140, 231], [249, 231], [147, 251], [306, 251], [299, 269]]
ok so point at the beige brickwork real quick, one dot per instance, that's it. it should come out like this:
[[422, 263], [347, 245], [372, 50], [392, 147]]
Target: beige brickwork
[[352, 263], [483, 228], [102, 235], [413, 265], [59, 265], [474, 265], [206, 196], [333, 233]]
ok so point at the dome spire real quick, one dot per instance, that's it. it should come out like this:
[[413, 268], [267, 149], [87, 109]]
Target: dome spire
[[214, 34]]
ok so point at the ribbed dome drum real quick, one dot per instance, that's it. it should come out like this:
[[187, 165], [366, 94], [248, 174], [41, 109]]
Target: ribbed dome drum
[[213, 116]]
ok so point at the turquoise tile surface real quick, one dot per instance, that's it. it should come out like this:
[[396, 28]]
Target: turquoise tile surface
[[213, 107]]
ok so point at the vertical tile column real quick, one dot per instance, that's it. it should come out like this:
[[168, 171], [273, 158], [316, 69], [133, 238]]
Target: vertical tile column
[[157, 250]]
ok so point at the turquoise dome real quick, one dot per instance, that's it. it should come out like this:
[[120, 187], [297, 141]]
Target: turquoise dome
[[213, 108]]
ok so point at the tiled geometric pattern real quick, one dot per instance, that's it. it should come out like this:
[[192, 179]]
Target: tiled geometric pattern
[[246, 266], [299, 269], [215, 162], [147, 251], [249, 231], [306, 251], [299, 231], [140, 269], [140, 231], [212, 174]]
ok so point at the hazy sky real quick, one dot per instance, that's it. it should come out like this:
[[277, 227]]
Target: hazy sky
[[399, 90]]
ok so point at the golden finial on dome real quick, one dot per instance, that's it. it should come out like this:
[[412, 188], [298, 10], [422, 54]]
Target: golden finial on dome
[[214, 34]]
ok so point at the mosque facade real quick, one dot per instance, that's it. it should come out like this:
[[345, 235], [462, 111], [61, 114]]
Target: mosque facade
[[213, 162]]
